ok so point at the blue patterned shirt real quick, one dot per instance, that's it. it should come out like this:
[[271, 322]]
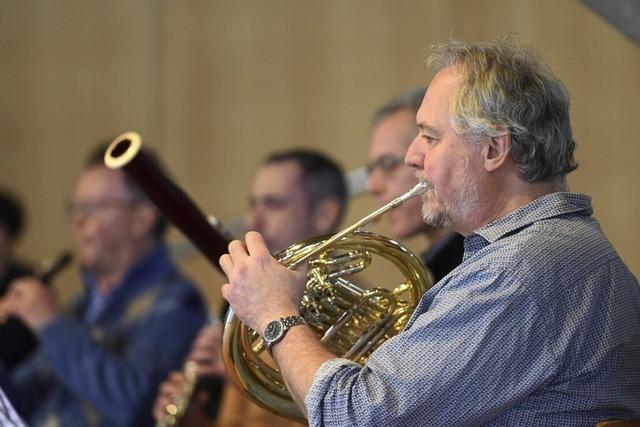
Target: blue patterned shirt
[[540, 325]]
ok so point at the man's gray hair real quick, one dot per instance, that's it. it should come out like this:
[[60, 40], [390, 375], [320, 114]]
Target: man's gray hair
[[509, 88], [409, 101]]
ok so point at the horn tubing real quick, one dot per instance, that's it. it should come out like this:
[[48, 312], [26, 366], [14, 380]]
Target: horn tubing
[[170, 199]]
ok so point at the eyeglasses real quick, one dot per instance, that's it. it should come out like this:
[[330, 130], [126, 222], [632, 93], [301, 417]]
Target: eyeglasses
[[75, 209], [385, 163]]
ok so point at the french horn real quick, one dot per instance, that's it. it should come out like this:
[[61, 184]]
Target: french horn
[[351, 321]]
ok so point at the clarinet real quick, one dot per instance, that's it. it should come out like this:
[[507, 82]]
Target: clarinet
[[49, 271]]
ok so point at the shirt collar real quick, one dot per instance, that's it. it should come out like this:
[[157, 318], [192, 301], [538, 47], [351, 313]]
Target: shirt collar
[[545, 207]]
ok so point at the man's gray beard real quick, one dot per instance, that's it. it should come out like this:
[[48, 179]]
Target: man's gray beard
[[439, 219], [435, 219], [469, 199]]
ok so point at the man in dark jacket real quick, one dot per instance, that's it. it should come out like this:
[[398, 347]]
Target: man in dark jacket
[[394, 127]]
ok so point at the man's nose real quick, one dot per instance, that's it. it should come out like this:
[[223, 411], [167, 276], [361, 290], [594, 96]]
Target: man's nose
[[415, 154], [254, 221], [77, 219], [375, 183]]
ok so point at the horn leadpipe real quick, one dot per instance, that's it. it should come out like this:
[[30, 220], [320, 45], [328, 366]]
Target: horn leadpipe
[[417, 190]]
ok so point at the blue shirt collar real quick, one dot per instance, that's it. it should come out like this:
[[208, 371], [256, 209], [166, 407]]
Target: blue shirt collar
[[548, 206]]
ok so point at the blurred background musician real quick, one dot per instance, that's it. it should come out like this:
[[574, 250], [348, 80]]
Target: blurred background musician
[[100, 361], [17, 340], [296, 195], [393, 129]]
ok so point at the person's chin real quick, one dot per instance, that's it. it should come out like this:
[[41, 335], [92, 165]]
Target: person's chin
[[87, 259]]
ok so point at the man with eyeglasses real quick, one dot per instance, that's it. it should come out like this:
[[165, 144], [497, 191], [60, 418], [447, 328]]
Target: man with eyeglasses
[[394, 127], [101, 360]]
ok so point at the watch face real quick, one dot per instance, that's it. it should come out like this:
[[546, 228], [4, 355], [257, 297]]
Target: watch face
[[273, 330]]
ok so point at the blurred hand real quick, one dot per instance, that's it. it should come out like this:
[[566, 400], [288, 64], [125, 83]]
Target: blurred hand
[[206, 351], [195, 415], [260, 289], [167, 392], [31, 301]]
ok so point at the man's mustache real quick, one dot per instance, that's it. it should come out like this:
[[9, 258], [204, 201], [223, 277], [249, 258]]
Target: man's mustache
[[423, 179]]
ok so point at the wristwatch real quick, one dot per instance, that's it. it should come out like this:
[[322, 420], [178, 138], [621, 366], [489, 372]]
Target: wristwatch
[[276, 329]]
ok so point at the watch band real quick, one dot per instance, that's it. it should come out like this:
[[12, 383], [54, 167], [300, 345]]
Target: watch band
[[292, 321], [287, 323]]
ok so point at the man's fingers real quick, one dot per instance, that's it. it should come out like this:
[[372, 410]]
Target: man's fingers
[[211, 334], [177, 376], [205, 355], [225, 291], [226, 264], [10, 303], [302, 268], [169, 388], [255, 244], [237, 250]]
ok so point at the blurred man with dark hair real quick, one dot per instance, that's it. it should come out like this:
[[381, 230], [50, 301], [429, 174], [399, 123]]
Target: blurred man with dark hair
[[296, 195], [101, 360], [13, 331], [393, 129]]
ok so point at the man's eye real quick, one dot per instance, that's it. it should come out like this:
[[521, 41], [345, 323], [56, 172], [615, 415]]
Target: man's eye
[[389, 163], [429, 139], [275, 204]]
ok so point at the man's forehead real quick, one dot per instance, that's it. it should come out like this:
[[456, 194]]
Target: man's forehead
[[436, 104], [393, 134], [99, 181], [445, 83], [287, 171], [277, 178]]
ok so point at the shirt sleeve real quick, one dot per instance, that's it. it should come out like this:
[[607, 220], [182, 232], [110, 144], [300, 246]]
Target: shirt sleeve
[[477, 351], [119, 384], [8, 415]]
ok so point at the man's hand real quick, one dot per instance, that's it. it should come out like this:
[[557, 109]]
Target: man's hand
[[260, 289], [206, 351], [172, 387], [31, 301]]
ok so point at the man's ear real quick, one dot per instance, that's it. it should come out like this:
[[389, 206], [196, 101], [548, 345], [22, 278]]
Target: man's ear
[[144, 218], [496, 152], [325, 215]]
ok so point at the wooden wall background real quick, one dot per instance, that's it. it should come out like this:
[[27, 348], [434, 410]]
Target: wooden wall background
[[215, 85]]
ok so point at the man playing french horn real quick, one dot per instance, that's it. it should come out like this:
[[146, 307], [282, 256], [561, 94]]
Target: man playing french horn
[[540, 324]]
